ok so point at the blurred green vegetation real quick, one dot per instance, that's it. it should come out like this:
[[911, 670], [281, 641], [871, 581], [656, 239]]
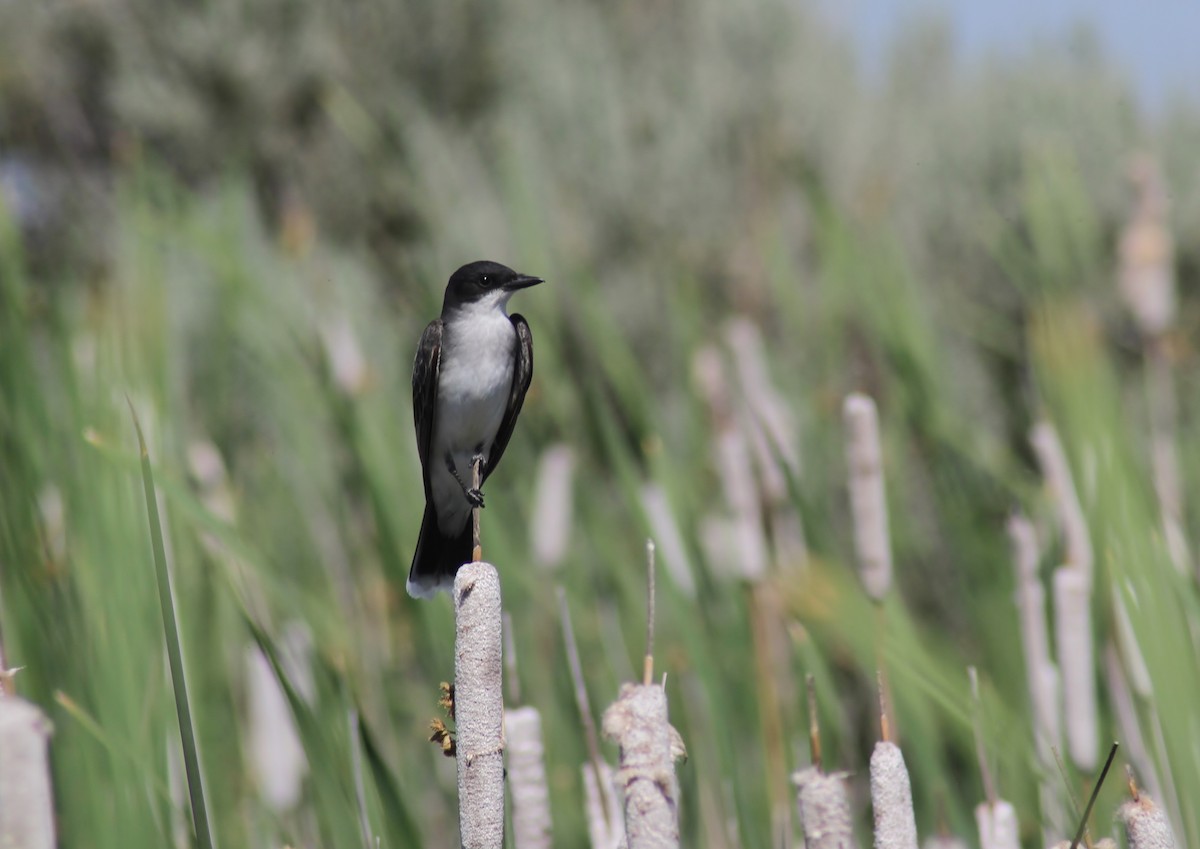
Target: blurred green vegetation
[[241, 215]]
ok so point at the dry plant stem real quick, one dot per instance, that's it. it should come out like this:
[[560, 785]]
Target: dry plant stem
[[885, 730], [814, 726], [1146, 824], [887, 724], [479, 706], [824, 810], [637, 722], [1087, 812], [1073, 636], [891, 799], [648, 658], [868, 500], [26, 799], [665, 529], [581, 700], [527, 778], [476, 482]]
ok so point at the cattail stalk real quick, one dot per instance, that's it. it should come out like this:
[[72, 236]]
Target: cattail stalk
[[891, 788], [1146, 273], [1040, 671], [824, 810], [553, 506], [1035, 640], [526, 758], [637, 722], [1073, 636], [733, 462], [605, 820], [768, 425], [997, 824], [1146, 824], [527, 778], [479, 706], [891, 798], [944, 841], [1057, 472], [26, 800], [868, 499]]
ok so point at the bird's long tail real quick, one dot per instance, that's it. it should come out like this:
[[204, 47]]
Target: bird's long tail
[[437, 558]]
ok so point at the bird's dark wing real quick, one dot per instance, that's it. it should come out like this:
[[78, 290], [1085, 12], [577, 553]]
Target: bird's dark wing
[[424, 385], [522, 374]]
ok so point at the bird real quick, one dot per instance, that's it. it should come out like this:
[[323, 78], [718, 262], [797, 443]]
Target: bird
[[473, 367]]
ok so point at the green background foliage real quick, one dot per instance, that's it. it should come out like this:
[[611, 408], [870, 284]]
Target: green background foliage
[[206, 203]]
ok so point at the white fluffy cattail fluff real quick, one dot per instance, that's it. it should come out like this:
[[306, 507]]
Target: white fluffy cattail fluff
[[479, 706], [1146, 824], [824, 810], [26, 801], [527, 778], [868, 500], [891, 799], [997, 823]]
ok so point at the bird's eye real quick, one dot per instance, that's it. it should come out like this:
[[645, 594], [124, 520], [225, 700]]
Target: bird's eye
[[484, 281]]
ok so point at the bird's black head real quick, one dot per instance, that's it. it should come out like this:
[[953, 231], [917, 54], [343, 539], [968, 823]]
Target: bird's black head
[[484, 282]]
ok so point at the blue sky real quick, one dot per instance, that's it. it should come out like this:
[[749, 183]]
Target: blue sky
[[1157, 42]]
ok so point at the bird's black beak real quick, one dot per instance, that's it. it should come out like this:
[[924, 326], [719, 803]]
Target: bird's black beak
[[522, 281]]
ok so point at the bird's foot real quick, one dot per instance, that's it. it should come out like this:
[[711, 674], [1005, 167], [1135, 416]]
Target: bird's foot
[[475, 496]]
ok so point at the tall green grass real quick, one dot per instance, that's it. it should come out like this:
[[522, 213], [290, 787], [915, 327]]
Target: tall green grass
[[961, 275]]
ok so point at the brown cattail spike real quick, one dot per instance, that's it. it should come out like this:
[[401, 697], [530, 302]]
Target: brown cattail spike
[[885, 730]]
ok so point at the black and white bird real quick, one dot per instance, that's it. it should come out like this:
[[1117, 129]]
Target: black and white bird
[[470, 376]]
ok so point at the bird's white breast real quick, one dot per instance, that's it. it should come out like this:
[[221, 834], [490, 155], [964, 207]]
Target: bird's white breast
[[474, 383]]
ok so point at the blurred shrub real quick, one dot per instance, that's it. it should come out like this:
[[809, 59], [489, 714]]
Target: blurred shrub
[[674, 135]]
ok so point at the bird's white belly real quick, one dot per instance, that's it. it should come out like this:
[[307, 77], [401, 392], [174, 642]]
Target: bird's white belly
[[473, 387]]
